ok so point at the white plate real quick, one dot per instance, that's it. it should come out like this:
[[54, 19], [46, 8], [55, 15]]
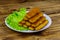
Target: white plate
[[29, 31]]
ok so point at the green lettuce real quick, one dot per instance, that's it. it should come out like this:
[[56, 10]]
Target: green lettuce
[[16, 17]]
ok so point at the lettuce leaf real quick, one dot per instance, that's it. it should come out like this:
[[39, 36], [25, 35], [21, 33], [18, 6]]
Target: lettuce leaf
[[16, 17]]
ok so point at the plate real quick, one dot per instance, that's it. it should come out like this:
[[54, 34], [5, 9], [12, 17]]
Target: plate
[[29, 31]]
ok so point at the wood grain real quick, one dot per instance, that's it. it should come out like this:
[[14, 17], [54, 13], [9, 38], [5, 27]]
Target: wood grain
[[50, 8], [47, 7]]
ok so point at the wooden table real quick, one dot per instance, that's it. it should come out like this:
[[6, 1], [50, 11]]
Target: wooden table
[[51, 8]]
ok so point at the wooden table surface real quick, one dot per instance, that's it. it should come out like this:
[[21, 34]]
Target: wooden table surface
[[51, 8]]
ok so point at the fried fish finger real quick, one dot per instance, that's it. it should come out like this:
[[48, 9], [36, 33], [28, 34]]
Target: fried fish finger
[[25, 25], [42, 25], [28, 23], [31, 28], [25, 18], [20, 24], [23, 21], [32, 12], [39, 21], [35, 18]]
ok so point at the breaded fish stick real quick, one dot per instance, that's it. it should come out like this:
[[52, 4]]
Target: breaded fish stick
[[25, 25], [42, 25], [25, 18], [31, 28], [32, 12], [20, 24], [39, 21], [23, 21], [28, 23], [35, 18]]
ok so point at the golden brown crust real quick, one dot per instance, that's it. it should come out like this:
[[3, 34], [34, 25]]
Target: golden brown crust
[[28, 23], [32, 12], [35, 18], [31, 28], [25, 18], [38, 22], [42, 25], [25, 25]]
